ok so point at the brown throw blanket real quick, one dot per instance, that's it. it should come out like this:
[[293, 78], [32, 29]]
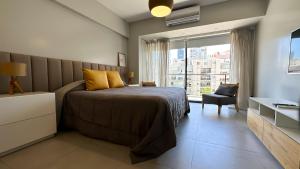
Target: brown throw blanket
[[142, 118]]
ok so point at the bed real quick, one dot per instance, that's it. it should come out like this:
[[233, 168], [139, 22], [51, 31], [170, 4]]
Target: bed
[[142, 118]]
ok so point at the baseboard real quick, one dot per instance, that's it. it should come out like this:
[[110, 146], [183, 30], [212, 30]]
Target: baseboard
[[25, 145]]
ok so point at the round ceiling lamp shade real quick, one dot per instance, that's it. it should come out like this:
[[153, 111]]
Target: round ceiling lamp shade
[[160, 8]]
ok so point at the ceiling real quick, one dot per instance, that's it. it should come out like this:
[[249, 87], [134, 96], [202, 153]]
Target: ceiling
[[134, 10]]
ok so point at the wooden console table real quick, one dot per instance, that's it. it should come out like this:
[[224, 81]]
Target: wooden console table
[[278, 129]]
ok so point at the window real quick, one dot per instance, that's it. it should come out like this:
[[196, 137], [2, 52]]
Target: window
[[205, 65], [176, 64]]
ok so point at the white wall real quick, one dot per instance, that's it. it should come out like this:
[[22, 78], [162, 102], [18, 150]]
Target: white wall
[[222, 12], [98, 13], [45, 28], [273, 47]]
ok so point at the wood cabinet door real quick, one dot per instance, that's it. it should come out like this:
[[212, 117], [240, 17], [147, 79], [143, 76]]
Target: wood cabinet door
[[255, 123], [281, 146]]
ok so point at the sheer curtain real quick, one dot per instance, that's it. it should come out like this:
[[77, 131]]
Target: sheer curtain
[[155, 59], [242, 60]]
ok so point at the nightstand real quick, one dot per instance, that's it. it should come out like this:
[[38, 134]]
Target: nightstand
[[26, 119], [134, 85]]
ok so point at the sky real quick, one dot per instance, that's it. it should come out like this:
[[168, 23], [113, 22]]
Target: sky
[[218, 48], [295, 48]]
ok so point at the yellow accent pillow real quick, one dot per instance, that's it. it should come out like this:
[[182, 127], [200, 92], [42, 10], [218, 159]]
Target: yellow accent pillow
[[114, 79], [95, 80]]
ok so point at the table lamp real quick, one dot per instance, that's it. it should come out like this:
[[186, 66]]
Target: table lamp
[[130, 77], [13, 70]]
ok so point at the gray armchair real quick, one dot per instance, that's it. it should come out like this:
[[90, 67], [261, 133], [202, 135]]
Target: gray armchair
[[148, 84], [226, 94]]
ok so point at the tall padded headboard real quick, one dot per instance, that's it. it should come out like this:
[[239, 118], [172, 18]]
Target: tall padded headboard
[[48, 74]]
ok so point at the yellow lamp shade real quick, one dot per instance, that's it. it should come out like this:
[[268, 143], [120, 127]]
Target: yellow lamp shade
[[160, 8], [13, 69], [131, 75]]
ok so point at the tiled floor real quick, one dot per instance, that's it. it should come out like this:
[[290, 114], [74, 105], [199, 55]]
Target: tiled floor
[[205, 141]]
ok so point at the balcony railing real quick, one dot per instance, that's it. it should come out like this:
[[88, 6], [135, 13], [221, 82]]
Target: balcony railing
[[197, 84]]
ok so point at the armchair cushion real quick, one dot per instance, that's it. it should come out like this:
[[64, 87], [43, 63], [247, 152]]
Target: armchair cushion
[[227, 90], [218, 99], [148, 84]]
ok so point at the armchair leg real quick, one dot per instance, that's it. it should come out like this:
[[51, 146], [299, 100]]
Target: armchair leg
[[237, 107], [219, 109], [202, 105]]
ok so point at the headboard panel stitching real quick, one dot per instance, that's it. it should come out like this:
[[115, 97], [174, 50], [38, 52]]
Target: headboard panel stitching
[[31, 73], [48, 75], [4, 80]]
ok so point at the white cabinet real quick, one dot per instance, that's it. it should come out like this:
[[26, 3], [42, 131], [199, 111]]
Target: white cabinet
[[26, 118]]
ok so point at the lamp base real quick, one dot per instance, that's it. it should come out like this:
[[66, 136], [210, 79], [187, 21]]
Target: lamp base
[[130, 80], [14, 86]]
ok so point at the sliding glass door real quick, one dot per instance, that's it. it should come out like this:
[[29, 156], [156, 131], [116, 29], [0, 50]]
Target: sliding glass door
[[177, 64], [199, 65]]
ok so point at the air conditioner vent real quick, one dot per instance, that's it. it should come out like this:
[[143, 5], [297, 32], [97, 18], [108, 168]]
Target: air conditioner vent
[[183, 16]]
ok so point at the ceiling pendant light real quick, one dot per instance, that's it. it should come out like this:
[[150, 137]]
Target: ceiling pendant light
[[160, 8]]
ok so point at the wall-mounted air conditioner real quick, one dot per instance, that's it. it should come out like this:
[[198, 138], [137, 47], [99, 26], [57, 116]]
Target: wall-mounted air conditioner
[[183, 16]]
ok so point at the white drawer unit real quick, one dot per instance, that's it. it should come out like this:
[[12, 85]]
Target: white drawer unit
[[25, 119]]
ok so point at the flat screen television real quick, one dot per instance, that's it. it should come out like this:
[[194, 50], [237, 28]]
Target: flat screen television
[[294, 65]]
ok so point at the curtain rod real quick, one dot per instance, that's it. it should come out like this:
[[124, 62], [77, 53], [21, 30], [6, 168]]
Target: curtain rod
[[201, 35]]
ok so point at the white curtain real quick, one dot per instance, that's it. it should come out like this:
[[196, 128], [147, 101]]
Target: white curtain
[[155, 58], [242, 60]]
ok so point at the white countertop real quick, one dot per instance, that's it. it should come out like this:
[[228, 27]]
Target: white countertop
[[22, 94], [291, 113]]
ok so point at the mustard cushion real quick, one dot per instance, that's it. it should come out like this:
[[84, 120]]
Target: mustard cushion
[[95, 80], [114, 79]]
